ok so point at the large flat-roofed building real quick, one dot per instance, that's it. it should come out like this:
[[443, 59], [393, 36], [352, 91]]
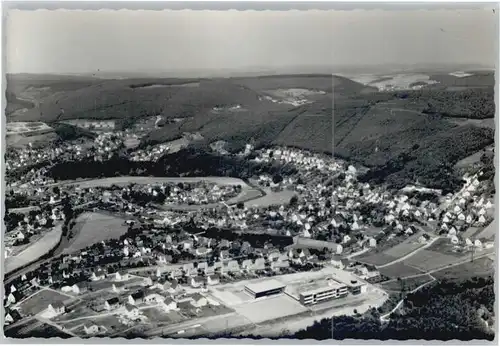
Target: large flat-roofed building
[[321, 291], [354, 285], [265, 288]]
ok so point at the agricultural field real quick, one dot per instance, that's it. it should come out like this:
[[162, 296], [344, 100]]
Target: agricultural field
[[41, 300], [484, 266], [158, 315], [272, 198], [92, 228], [489, 231], [391, 250], [404, 248], [26, 127], [47, 331], [427, 260], [444, 246], [398, 269], [76, 309], [36, 250], [407, 284]]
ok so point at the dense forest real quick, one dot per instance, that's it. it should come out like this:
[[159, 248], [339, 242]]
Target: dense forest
[[186, 162]]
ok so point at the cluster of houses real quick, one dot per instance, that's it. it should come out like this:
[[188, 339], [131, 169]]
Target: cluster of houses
[[356, 207], [151, 154], [30, 224]]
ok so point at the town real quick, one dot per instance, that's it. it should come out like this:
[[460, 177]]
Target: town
[[181, 257]]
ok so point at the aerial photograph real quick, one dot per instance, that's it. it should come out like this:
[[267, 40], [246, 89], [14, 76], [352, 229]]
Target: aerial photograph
[[322, 174]]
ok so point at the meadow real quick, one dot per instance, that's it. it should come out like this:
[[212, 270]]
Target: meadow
[[92, 228]]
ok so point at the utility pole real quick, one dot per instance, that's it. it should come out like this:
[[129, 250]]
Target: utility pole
[[332, 326]]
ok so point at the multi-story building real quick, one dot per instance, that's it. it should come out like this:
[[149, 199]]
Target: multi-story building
[[322, 291]]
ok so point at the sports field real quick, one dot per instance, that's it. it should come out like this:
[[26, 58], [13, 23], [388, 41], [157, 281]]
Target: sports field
[[92, 228]]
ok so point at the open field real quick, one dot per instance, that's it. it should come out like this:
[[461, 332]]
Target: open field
[[157, 315], [444, 246], [427, 260], [26, 127], [484, 266], [270, 308], [404, 248], [92, 228], [407, 284], [34, 251], [399, 269], [40, 301], [375, 259], [272, 198], [489, 232]]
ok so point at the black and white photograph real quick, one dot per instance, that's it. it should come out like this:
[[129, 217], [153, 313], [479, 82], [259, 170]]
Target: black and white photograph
[[323, 174]]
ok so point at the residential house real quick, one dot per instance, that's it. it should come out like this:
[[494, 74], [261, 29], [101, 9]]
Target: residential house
[[79, 288], [213, 280], [153, 298], [136, 298], [90, 328], [57, 308], [131, 311], [198, 300], [197, 281], [169, 304], [246, 264], [260, 264], [122, 276], [98, 275], [112, 304], [190, 269]]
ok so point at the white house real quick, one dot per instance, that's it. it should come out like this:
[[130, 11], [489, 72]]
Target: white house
[[90, 328], [56, 308], [131, 311], [373, 242], [197, 281], [169, 304], [198, 300], [112, 304], [98, 275], [213, 280], [8, 319], [122, 276]]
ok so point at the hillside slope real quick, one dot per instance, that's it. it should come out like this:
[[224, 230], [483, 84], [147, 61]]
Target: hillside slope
[[403, 136]]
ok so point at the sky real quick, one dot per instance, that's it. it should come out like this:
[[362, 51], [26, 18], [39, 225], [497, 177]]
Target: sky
[[65, 41]]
